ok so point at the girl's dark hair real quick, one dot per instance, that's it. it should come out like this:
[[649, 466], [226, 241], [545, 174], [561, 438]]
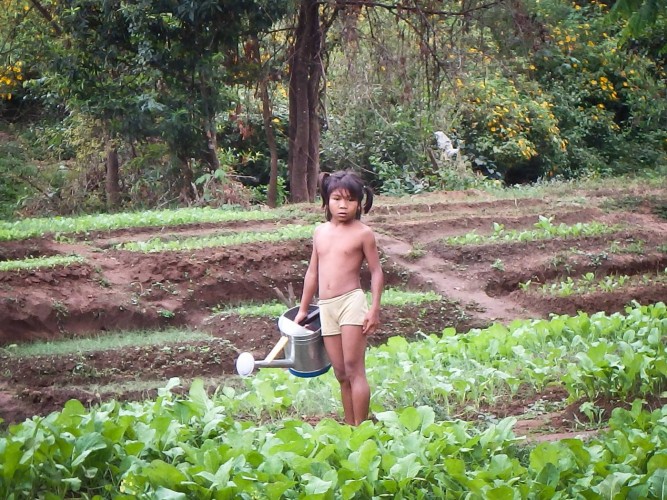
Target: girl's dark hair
[[349, 181]]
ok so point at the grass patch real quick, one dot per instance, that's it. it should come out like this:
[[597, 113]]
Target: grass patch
[[660, 209], [40, 262], [632, 203], [416, 252], [391, 297], [394, 297], [116, 340], [262, 310], [627, 203], [145, 386], [36, 227], [572, 188], [289, 232]]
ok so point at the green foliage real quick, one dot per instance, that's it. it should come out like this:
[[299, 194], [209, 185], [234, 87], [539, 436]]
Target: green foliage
[[576, 103], [391, 297], [31, 228], [535, 89], [382, 140], [544, 229], [606, 98], [199, 445], [589, 283], [40, 262], [511, 122], [15, 174], [288, 232], [109, 340]]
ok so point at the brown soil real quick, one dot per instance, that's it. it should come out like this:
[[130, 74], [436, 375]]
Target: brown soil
[[116, 290]]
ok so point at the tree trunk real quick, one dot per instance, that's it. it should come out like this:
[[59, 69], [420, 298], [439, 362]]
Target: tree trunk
[[188, 193], [272, 192], [211, 154], [112, 178], [304, 132]]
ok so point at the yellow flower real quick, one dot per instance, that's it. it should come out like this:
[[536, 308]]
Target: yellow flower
[[601, 106]]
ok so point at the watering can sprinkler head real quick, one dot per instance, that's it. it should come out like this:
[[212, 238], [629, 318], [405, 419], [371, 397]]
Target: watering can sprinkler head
[[305, 355], [245, 364]]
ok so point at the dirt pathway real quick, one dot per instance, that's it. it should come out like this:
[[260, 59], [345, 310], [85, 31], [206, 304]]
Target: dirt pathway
[[453, 284]]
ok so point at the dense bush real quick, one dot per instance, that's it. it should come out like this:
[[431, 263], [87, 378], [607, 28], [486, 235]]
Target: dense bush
[[512, 123], [15, 169], [578, 103]]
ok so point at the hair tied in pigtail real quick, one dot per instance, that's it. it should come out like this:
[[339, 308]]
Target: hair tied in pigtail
[[323, 181], [369, 199]]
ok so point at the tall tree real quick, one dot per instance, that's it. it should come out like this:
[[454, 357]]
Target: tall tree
[[151, 67], [305, 69]]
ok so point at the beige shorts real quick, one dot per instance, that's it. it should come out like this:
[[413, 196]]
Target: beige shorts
[[347, 309]]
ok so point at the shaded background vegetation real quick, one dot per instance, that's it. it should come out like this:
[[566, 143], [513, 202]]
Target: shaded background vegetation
[[108, 105]]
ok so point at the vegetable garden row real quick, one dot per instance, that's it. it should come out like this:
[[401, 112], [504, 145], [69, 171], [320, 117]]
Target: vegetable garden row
[[239, 442]]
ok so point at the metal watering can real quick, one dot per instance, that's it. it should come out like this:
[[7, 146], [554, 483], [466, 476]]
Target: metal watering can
[[305, 355]]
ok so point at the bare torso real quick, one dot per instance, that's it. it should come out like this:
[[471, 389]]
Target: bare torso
[[340, 254]]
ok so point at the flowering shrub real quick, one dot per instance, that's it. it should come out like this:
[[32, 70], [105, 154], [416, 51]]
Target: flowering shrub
[[578, 102], [609, 101], [511, 121], [11, 77]]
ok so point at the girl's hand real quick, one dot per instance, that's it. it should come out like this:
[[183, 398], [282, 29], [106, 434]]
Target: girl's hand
[[300, 316], [371, 323]]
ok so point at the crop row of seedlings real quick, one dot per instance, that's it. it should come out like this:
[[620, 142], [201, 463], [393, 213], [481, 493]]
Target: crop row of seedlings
[[590, 283], [544, 229], [391, 297], [282, 233], [32, 263], [246, 441], [63, 226]]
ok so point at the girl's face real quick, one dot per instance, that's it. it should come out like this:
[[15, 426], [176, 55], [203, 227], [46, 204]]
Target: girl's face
[[342, 206]]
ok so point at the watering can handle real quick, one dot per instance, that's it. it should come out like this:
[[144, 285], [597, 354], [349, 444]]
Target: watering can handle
[[311, 316], [276, 349]]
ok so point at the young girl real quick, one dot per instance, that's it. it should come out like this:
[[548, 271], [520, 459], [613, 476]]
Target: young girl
[[340, 246]]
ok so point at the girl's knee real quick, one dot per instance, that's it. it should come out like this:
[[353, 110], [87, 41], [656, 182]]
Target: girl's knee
[[354, 367], [341, 375]]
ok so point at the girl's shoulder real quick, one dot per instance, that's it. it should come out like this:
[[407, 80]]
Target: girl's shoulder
[[320, 228]]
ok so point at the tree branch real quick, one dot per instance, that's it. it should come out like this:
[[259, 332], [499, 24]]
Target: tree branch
[[401, 7], [46, 15]]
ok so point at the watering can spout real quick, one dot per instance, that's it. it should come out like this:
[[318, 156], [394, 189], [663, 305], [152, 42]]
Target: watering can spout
[[246, 363]]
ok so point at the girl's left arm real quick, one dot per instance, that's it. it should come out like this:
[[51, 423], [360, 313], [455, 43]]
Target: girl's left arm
[[377, 282]]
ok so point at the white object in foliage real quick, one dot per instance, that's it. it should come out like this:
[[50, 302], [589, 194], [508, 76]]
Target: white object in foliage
[[445, 144]]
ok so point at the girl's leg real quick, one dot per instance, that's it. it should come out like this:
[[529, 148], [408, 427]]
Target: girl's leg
[[353, 344], [334, 347]]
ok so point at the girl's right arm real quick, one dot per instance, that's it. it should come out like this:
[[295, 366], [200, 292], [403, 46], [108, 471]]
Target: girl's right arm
[[309, 286]]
